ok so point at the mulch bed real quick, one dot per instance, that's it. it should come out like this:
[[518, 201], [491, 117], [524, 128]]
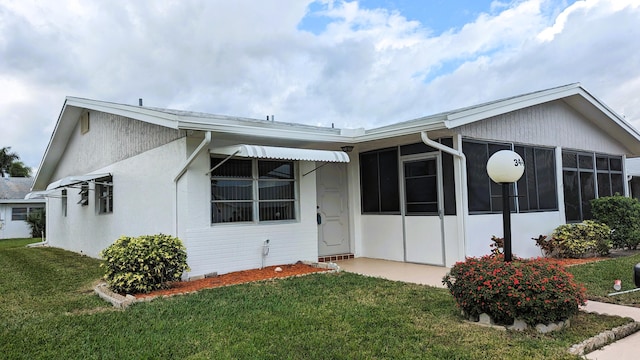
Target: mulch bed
[[233, 278], [269, 272], [570, 262], [616, 253]]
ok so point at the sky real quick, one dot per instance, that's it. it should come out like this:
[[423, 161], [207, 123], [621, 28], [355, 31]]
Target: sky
[[353, 64]]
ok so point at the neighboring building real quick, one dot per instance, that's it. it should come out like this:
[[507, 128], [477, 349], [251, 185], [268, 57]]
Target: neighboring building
[[14, 209], [415, 191]]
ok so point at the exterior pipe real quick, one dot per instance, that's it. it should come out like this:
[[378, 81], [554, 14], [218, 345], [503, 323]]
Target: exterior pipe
[[44, 242], [265, 252], [463, 177]]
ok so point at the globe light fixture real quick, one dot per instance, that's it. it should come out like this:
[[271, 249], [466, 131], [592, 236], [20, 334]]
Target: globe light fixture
[[505, 167]]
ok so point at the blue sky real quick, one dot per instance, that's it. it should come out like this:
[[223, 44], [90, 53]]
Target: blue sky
[[364, 63], [436, 15]]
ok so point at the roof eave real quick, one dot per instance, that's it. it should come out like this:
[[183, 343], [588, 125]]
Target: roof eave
[[459, 118], [276, 132]]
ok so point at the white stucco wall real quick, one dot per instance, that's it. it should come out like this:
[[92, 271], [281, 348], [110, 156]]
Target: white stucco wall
[[12, 228], [524, 226], [143, 198], [224, 248]]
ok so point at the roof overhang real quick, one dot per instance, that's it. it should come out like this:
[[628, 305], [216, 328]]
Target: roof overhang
[[38, 195], [76, 179], [23, 201], [281, 153]]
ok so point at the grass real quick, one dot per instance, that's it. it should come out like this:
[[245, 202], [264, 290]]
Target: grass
[[47, 311], [598, 278]]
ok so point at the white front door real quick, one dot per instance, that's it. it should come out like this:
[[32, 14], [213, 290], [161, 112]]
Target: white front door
[[422, 210], [333, 212]]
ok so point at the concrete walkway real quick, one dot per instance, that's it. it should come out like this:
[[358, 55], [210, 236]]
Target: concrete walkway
[[395, 270], [623, 349], [627, 348]]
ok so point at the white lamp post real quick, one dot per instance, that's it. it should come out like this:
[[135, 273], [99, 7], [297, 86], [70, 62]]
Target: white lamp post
[[505, 167]]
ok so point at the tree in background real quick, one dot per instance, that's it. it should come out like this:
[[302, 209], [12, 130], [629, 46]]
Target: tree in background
[[11, 165], [37, 220], [19, 169]]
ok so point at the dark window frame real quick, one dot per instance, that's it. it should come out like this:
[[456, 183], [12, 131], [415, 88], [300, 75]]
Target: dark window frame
[[370, 192], [23, 215], [418, 202], [104, 195], [84, 194], [485, 196], [583, 171], [374, 200], [532, 196], [260, 203], [19, 213], [63, 199]]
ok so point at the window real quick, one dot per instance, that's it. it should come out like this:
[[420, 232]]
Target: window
[[21, 213], [421, 187], [104, 192], [537, 186], [379, 179], [484, 195], [252, 190], [276, 190], [84, 194], [535, 191], [379, 182], [448, 177], [84, 123], [64, 202], [587, 176]]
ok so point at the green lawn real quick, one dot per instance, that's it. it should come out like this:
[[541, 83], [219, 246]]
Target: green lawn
[[599, 276], [47, 311]]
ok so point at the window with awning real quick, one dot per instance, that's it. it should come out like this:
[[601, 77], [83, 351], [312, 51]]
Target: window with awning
[[252, 190]]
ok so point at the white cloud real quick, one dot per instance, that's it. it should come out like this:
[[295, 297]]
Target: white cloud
[[369, 67]]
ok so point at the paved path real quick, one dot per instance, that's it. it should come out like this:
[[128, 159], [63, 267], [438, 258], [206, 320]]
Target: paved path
[[623, 349], [627, 348]]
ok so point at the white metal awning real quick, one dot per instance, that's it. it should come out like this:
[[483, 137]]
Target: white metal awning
[[282, 153], [72, 180], [37, 195]]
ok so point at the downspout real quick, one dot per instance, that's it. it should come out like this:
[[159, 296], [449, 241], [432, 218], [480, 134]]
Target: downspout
[[183, 169], [462, 184]]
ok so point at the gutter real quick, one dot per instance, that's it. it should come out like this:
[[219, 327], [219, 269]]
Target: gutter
[[183, 169], [460, 188]]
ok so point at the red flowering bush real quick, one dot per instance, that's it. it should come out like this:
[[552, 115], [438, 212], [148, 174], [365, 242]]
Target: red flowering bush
[[536, 291]]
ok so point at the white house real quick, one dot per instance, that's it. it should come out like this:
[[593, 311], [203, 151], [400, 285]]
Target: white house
[[415, 191], [14, 209]]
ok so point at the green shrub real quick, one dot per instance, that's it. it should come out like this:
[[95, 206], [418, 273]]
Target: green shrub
[[143, 264], [37, 220], [622, 215], [582, 239], [536, 291]]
